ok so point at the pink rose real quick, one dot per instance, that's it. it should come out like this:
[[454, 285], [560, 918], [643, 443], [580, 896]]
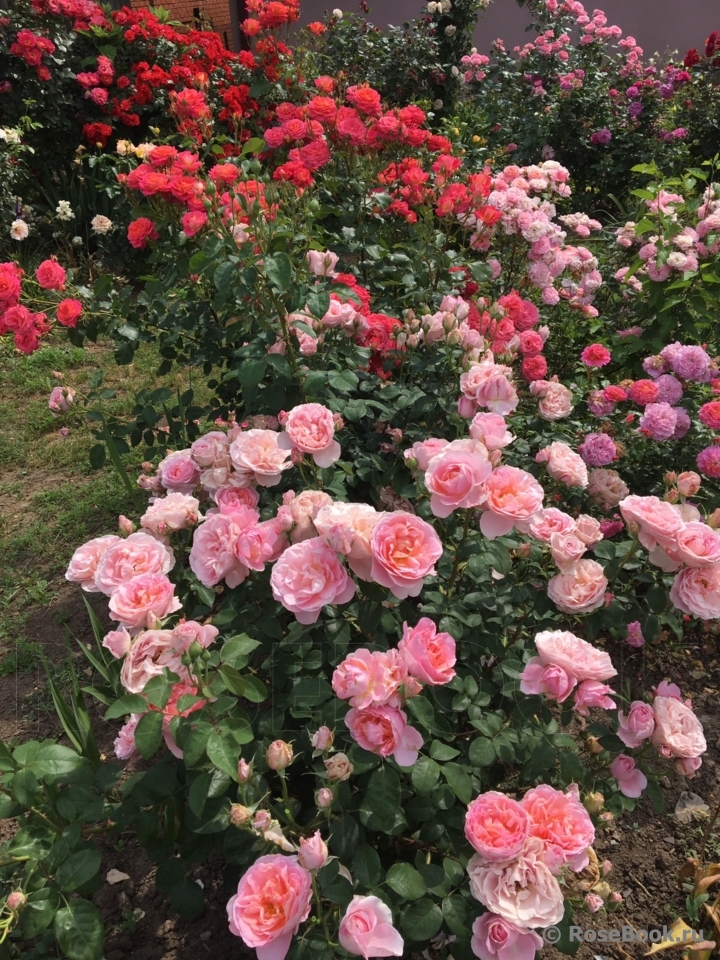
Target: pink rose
[[117, 642], [257, 454], [404, 550], [579, 589], [658, 520], [455, 477], [496, 939], [566, 549], [137, 554], [230, 499], [124, 742], [50, 275], [256, 545], [562, 823], [513, 498], [171, 513], [322, 739], [588, 529], [84, 562], [309, 576], [366, 930], [592, 693], [637, 726], [383, 730], [577, 657], [563, 464], [497, 394], [365, 678], [557, 402], [304, 508], [698, 545], [549, 521], [696, 591], [322, 264], [141, 601], [631, 781], [310, 428], [187, 632], [677, 729], [550, 680], [491, 430], [212, 555], [496, 826], [272, 900], [606, 487], [688, 483], [523, 892], [313, 852], [423, 452], [149, 654], [179, 472], [687, 766], [211, 450], [352, 524], [428, 655]]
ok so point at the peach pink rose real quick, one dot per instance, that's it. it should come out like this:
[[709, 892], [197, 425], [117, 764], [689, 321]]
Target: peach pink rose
[[562, 823], [592, 693], [497, 394], [187, 632], [230, 499], [606, 487], [557, 402], [588, 529], [576, 656], [310, 428], [523, 892], [697, 545], [365, 678], [171, 513], [367, 930], [631, 780], [658, 521], [84, 562], [496, 826], [566, 549], [428, 655], [179, 472], [304, 508], [309, 576], [384, 730], [149, 654], [550, 680], [322, 264], [678, 732], [491, 430], [696, 591], [688, 483], [404, 550], [495, 939], [423, 452], [139, 553], [455, 477], [211, 450], [256, 453], [350, 524], [313, 852], [513, 498], [139, 602], [549, 521], [580, 588], [256, 545], [563, 464], [273, 898], [212, 555], [118, 642], [637, 726], [124, 742]]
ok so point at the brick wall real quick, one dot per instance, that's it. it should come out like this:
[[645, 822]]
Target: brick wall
[[200, 14]]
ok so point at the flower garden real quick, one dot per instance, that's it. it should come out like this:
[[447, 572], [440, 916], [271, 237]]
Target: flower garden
[[397, 620]]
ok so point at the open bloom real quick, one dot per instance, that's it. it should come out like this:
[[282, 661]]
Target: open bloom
[[496, 826], [310, 428], [496, 939], [384, 730], [562, 823], [563, 464], [678, 732], [309, 576], [513, 497], [631, 780], [696, 591], [128, 558], [258, 455], [366, 930], [428, 655], [455, 477], [143, 600], [580, 588], [404, 550]]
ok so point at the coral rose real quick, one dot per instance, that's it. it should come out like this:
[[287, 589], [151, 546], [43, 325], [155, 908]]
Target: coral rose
[[496, 826], [404, 550], [141, 601], [562, 823], [310, 428], [50, 275], [125, 559], [579, 589], [309, 576], [68, 312], [366, 930], [383, 730], [428, 655], [140, 231], [513, 498]]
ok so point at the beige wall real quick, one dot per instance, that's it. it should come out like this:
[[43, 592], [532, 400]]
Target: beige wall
[[657, 25]]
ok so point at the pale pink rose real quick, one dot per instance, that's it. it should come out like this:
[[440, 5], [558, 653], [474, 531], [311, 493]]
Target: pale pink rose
[[428, 655], [230, 499], [496, 826], [566, 549], [367, 930], [606, 487], [593, 901], [309, 576], [696, 591], [687, 766], [365, 678], [580, 588], [383, 730], [139, 602], [322, 264], [698, 545], [563, 464], [677, 729], [212, 450], [310, 428], [404, 550], [495, 939], [279, 755], [171, 513], [688, 483], [313, 852], [667, 689], [338, 767], [304, 508], [498, 395], [60, 400], [562, 823], [524, 892], [423, 452], [557, 402], [353, 523], [322, 739], [549, 521], [178, 471], [255, 545], [139, 553], [272, 900], [550, 680], [658, 521], [592, 693], [324, 798], [631, 780], [342, 315], [149, 654], [212, 555], [577, 657], [588, 529], [84, 562], [455, 478], [117, 642], [256, 452], [187, 632], [124, 742], [513, 498], [637, 726], [491, 430]]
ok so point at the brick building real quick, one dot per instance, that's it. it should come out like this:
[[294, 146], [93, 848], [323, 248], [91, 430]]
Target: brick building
[[222, 16]]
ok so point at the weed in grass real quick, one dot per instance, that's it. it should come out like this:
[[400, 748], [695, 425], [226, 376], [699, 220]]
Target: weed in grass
[[22, 660]]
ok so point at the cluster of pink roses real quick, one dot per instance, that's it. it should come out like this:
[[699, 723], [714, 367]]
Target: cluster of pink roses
[[27, 327], [377, 684], [520, 848], [566, 663]]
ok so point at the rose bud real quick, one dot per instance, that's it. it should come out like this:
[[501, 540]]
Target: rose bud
[[338, 767], [322, 739], [605, 867], [262, 821], [279, 755], [324, 798], [688, 483], [16, 900], [594, 802], [239, 814], [594, 745], [313, 852], [244, 770], [126, 526]]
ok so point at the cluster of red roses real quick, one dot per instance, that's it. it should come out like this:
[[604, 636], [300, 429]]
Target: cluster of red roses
[[15, 318]]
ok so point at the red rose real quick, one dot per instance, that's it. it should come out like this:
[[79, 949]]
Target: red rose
[[50, 275], [140, 231], [68, 312]]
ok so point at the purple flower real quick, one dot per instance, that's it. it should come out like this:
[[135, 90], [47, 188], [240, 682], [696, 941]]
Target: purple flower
[[598, 449], [683, 423], [634, 110], [601, 137], [666, 90], [691, 363], [659, 421], [635, 636], [671, 390]]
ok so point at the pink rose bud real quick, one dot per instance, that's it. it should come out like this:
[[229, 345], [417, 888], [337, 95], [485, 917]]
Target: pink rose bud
[[16, 900], [244, 770], [635, 636], [688, 483], [279, 755], [672, 496], [147, 466], [239, 814], [338, 767], [313, 852], [606, 817], [126, 526], [523, 551], [616, 897], [670, 477], [261, 821], [322, 739], [606, 867], [594, 902], [324, 798]]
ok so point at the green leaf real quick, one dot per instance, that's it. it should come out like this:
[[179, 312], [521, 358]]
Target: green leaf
[[564, 944], [345, 381], [278, 269], [442, 751], [425, 774], [130, 703], [158, 690], [96, 456], [255, 690], [224, 753], [310, 692], [382, 796], [240, 646], [148, 733], [482, 752], [253, 145], [25, 787], [366, 866], [455, 912], [78, 869], [421, 920], [344, 837], [188, 899], [39, 911], [406, 881], [542, 759], [459, 781], [79, 930], [250, 373]]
